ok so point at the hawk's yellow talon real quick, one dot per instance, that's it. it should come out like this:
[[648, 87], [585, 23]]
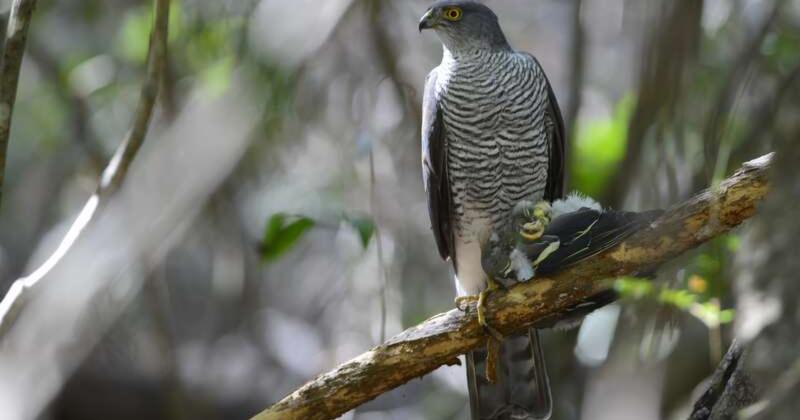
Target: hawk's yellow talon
[[495, 337], [540, 219], [491, 286], [463, 302], [532, 231]]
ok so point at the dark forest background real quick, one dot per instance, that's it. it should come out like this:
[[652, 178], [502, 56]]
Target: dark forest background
[[275, 223]]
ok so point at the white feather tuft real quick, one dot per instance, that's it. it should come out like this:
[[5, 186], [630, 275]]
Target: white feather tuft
[[521, 265], [574, 202]]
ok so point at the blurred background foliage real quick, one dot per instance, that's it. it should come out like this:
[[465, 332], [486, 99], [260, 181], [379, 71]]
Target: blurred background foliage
[[318, 243]]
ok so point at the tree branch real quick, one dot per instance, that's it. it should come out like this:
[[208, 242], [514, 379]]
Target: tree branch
[[577, 64], [112, 176], [729, 389], [13, 51], [156, 61], [441, 339]]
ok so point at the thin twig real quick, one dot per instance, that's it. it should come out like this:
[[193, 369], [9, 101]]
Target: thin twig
[[13, 51], [578, 70], [118, 167], [442, 338], [156, 297], [766, 112], [383, 275], [734, 83], [669, 49], [387, 58], [387, 55], [112, 176]]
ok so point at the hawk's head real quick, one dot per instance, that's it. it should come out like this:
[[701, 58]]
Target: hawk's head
[[464, 25]]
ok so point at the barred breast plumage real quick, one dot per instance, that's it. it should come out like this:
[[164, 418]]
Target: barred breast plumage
[[496, 134]]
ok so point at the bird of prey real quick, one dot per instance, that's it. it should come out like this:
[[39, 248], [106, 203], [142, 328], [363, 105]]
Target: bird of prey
[[492, 136]]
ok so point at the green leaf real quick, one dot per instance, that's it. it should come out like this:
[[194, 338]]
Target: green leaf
[[599, 147], [726, 316], [133, 39], [709, 312], [365, 228], [280, 236], [273, 228], [733, 242], [633, 287], [217, 75], [135, 34], [679, 298]]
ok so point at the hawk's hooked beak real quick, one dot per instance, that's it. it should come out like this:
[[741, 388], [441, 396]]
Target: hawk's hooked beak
[[429, 20]]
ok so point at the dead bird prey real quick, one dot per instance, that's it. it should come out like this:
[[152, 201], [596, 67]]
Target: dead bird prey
[[544, 238]]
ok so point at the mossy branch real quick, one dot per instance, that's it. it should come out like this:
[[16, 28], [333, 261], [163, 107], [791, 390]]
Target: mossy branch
[[442, 338]]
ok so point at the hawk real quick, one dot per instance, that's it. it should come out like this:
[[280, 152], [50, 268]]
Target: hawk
[[492, 136]]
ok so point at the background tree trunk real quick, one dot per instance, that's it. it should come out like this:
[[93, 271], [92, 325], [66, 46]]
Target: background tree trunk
[[768, 292]]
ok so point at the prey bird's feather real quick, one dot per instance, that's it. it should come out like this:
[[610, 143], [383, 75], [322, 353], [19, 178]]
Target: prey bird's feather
[[588, 232]]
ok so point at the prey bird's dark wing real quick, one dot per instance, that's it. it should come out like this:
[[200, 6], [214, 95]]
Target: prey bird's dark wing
[[582, 234], [588, 232], [434, 171]]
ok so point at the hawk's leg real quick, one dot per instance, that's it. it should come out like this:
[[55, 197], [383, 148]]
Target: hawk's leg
[[463, 302], [531, 220], [495, 337]]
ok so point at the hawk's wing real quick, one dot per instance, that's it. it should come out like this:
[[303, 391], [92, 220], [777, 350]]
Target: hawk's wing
[[555, 173], [434, 170]]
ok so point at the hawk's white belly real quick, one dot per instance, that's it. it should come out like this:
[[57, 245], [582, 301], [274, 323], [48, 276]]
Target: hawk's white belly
[[470, 278]]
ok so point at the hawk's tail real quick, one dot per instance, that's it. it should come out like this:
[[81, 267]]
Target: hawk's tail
[[522, 389]]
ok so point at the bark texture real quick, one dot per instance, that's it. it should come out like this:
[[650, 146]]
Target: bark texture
[[729, 389]]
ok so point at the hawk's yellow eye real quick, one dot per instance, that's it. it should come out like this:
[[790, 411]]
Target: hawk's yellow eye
[[452, 14]]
